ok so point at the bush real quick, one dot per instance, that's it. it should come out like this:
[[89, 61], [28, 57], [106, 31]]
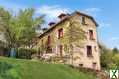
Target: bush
[[109, 58], [7, 71], [88, 71], [25, 53], [4, 51]]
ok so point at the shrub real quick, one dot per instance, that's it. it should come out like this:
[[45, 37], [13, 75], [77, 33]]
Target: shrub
[[25, 53], [4, 51]]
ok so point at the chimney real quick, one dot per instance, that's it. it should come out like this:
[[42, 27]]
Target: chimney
[[51, 23], [62, 16]]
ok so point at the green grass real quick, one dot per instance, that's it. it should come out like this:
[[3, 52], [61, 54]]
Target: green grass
[[26, 69]]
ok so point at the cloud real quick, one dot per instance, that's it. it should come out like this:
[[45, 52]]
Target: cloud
[[92, 11], [52, 12], [103, 25]]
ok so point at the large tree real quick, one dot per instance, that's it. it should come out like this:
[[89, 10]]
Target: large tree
[[19, 30]]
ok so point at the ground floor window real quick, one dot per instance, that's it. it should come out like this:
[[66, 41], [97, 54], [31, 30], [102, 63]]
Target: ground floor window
[[89, 51], [49, 49]]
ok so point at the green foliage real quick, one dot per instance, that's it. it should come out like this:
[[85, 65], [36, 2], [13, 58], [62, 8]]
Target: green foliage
[[4, 49], [74, 35], [7, 71], [19, 30], [109, 58], [106, 59], [38, 70], [115, 60], [2, 44], [74, 32], [25, 53], [115, 50]]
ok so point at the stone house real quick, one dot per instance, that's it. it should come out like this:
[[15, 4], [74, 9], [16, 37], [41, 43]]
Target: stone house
[[88, 55]]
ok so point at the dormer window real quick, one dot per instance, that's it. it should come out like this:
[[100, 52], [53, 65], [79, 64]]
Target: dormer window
[[60, 33]]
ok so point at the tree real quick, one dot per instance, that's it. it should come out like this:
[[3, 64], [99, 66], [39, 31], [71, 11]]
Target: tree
[[115, 50], [109, 59], [19, 30], [74, 35], [115, 60]]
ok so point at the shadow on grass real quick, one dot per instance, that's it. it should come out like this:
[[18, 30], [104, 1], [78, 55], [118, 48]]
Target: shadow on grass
[[8, 71]]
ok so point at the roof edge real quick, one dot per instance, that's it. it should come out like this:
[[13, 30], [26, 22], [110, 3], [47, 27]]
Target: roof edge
[[69, 17]]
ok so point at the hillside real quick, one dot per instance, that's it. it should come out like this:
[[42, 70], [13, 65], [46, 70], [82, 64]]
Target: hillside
[[25, 69]]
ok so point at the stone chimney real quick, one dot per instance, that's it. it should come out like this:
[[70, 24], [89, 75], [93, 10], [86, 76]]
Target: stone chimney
[[62, 16], [51, 23]]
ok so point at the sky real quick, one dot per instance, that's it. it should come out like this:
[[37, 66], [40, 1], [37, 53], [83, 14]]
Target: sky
[[105, 12]]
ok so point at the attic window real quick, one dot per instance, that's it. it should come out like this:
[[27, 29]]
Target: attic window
[[82, 19], [91, 37]]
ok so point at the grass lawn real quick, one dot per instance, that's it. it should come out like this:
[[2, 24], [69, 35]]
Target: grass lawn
[[26, 69]]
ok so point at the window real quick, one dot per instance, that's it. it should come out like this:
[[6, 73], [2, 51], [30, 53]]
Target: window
[[49, 49], [89, 51], [82, 19], [60, 33], [49, 40], [61, 50], [91, 34]]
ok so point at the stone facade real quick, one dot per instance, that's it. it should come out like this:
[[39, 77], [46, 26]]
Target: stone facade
[[87, 55]]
